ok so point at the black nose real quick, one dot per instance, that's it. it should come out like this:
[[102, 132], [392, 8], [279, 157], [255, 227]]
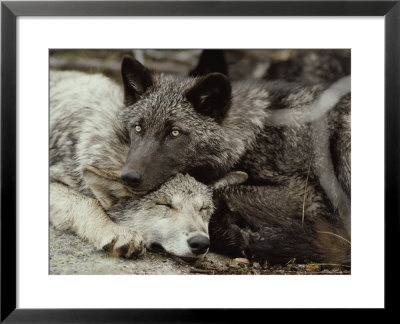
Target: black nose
[[199, 244], [131, 178]]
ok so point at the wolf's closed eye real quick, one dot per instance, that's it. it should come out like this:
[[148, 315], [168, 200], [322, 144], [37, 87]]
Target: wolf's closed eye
[[204, 208], [165, 204]]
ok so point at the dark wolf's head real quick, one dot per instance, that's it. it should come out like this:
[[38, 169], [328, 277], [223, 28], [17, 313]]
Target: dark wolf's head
[[175, 217], [174, 123]]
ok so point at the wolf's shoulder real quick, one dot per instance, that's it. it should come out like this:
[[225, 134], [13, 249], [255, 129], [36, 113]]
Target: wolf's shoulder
[[78, 76], [74, 91], [75, 82]]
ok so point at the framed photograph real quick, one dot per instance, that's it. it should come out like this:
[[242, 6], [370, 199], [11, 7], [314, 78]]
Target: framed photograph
[[186, 61]]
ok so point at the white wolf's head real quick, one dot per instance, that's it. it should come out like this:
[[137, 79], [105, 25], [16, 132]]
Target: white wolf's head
[[174, 218]]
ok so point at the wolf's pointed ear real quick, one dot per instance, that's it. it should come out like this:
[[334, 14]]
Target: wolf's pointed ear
[[136, 79], [106, 185], [232, 178], [211, 95]]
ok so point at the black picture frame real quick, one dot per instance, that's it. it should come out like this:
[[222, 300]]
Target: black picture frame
[[9, 13]]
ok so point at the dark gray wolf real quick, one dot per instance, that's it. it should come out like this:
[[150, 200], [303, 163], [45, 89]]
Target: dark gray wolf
[[88, 147], [292, 139]]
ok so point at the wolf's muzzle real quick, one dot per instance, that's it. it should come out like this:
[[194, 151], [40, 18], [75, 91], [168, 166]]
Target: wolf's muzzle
[[131, 178], [199, 244]]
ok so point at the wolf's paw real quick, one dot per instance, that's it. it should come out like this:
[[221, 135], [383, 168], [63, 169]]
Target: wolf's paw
[[125, 243]]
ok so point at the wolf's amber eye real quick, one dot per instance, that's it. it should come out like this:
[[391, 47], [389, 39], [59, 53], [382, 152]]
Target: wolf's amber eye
[[175, 133], [138, 129]]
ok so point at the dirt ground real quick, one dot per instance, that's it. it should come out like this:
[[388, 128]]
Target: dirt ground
[[69, 255]]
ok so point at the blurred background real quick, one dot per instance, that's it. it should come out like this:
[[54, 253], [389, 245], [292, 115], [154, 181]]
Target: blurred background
[[310, 66]]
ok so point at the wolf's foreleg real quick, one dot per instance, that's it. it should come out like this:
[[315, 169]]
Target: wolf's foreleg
[[84, 216]]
